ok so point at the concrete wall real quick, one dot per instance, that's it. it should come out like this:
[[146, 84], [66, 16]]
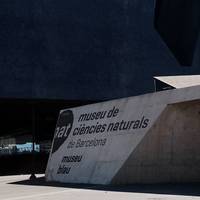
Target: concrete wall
[[170, 151], [159, 144]]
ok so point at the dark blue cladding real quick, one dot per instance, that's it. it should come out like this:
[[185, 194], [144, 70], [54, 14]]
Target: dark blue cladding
[[75, 49]]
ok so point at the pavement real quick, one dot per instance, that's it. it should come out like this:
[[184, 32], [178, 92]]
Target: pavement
[[20, 187]]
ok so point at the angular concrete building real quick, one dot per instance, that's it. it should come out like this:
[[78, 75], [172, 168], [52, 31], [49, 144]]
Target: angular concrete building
[[60, 54]]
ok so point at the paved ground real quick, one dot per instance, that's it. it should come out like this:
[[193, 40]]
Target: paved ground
[[19, 187]]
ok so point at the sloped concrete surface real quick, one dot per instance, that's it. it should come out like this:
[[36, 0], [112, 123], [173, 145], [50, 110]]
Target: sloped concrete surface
[[165, 150], [170, 150]]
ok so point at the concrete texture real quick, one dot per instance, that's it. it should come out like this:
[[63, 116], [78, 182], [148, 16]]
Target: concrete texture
[[163, 149], [180, 81], [170, 151], [20, 188]]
